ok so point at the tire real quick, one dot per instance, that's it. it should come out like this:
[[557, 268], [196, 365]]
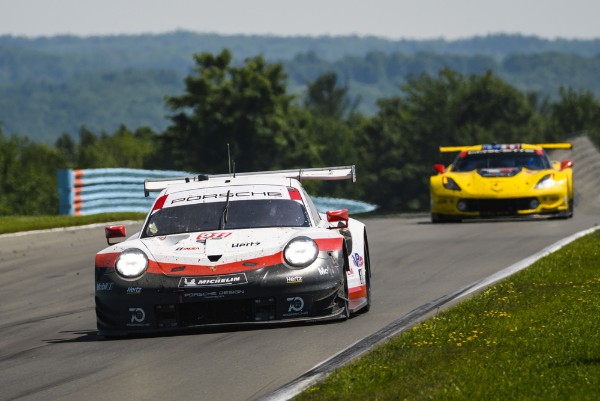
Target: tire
[[343, 294], [567, 214], [444, 218], [366, 308]]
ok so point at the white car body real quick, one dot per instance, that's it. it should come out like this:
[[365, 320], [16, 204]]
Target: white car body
[[233, 249]]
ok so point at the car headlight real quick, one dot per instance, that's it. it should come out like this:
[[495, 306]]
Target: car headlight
[[300, 252], [546, 181], [449, 183], [131, 263]]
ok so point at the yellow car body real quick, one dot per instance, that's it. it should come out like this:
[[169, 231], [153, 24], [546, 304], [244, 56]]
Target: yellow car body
[[502, 180]]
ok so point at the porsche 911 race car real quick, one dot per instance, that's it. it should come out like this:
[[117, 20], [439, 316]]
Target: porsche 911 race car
[[245, 248], [502, 180]]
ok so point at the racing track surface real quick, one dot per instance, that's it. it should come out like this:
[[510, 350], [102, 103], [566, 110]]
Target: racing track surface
[[49, 348]]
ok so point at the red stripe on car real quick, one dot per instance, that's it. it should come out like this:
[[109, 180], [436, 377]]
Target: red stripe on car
[[294, 194], [357, 292], [329, 244], [174, 269], [160, 202], [104, 260]]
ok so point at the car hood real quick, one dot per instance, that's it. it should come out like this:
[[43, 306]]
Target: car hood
[[217, 252], [498, 182]]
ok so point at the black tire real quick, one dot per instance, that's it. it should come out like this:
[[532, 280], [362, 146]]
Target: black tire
[[367, 308], [444, 218], [571, 209], [346, 314], [567, 214], [343, 294]]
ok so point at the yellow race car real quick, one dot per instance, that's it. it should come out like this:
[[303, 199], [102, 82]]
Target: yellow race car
[[502, 180]]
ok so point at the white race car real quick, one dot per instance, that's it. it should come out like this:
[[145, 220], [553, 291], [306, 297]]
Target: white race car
[[241, 248]]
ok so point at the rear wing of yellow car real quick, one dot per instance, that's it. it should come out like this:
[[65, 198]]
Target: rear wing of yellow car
[[319, 173], [506, 146]]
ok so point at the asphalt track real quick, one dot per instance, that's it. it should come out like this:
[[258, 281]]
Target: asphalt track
[[49, 348]]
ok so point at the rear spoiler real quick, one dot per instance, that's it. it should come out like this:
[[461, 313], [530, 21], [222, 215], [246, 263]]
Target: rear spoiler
[[319, 173], [447, 149]]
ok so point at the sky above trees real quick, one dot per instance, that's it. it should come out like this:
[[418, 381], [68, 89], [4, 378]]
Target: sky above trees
[[423, 19]]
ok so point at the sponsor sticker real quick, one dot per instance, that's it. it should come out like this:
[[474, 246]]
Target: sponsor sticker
[[188, 248], [242, 244], [295, 307], [138, 317], [104, 286], [294, 279], [296, 304], [358, 260], [214, 294], [134, 290], [208, 195], [213, 281]]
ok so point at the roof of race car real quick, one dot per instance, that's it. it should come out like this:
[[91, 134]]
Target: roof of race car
[[506, 147]]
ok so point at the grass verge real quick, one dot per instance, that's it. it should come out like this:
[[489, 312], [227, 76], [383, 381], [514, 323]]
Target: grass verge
[[15, 224], [533, 336]]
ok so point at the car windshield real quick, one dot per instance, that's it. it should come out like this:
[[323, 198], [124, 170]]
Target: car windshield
[[483, 160], [239, 214]]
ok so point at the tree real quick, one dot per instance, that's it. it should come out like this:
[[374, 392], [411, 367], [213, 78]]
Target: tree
[[326, 99], [574, 112], [246, 107], [28, 177]]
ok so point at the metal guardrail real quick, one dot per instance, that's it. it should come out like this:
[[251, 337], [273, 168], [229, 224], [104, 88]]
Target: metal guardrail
[[93, 191]]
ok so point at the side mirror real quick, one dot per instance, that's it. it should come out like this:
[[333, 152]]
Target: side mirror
[[439, 168], [566, 164], [339, 216], [117, 231]]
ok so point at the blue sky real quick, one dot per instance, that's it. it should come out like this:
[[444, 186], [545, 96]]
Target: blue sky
[[394, 19]]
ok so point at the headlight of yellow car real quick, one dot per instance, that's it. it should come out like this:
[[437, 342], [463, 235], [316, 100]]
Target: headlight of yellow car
[[546, 181], [449, 183]]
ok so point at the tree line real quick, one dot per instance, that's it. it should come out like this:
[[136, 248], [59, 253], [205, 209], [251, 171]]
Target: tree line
[[249, 107], [50, 86]]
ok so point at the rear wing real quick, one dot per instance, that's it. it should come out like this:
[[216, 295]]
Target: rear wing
[[508, 146], [319, 173]]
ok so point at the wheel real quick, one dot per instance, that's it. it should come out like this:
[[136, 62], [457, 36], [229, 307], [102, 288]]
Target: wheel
[[571, 211], [567, 214], [343, 297], [367, 307]]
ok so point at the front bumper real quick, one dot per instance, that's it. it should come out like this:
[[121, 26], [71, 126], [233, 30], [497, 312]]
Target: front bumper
[[473, 206], [157, 302]]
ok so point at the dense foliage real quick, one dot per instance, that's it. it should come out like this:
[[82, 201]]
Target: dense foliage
[[248, 106]]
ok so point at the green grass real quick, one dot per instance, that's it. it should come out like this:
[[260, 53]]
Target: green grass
[[534, 336], [15, 224]]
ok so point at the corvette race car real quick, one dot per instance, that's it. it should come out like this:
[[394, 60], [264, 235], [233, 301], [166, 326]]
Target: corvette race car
[[502, 180], [245, 248]]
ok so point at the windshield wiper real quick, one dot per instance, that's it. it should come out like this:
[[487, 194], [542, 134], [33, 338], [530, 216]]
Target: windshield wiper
[[224, 213]]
